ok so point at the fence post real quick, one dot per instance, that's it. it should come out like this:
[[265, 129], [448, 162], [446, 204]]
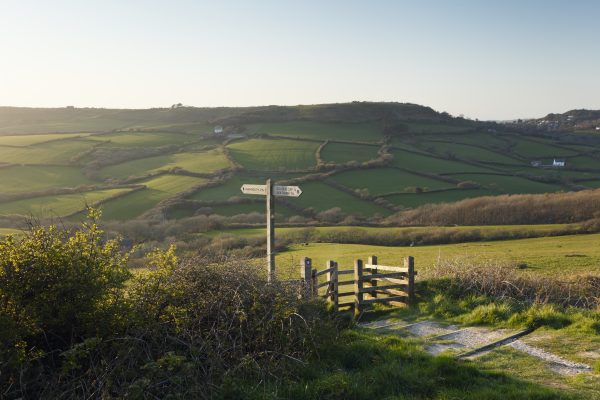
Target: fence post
[[306, 275], [332, 278], [409, 262], [358, 287], [373, 283]]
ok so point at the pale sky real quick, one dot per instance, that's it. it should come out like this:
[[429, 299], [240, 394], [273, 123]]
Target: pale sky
[[485, 59]]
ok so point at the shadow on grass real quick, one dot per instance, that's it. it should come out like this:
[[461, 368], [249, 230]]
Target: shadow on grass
[[363, 365]]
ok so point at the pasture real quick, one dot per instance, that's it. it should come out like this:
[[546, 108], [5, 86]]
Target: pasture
[[321, 197], [380, 181], [58, 205], [203, 162], [412, 200], [144, 139], [345, 152], [432, 164], [274, 155], [58, 152], [31, 178], [575, 254], [157, 189], [27, 140], [468, 152], [345, 131], [509, 184]]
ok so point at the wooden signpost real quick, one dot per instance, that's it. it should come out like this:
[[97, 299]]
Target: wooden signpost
[[269, 190]]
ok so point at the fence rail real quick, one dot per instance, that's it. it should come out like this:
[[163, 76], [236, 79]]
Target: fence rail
[[372, 283]]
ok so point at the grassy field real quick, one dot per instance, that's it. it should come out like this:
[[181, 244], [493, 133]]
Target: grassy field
[[344, 152], [531, 149], [362, 132], [27, 140], [509, 184], [274, 155], [57, 152], [434, 165], [388, 230], [411, 200], [57, 206], [145, 139], [549, 255], [204, 162], [584, 162], [386, 180], [485, 139], [428, 127], [157, 189], [321, 197], [468, 152], [20, 179]]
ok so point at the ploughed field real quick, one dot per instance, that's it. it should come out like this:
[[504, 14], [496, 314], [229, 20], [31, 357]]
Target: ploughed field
[[178, 170]]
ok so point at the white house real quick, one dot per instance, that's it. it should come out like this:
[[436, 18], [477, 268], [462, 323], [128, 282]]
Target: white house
[[218, 130], [558, 163], [598, 128]]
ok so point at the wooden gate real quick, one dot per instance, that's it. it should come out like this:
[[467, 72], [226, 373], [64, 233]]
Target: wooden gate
[[364, 285]]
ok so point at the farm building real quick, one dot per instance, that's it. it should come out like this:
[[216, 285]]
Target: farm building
[[558, 163], [218, 130]]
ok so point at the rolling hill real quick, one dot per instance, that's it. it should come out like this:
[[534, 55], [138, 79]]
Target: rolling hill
[[365, 160]]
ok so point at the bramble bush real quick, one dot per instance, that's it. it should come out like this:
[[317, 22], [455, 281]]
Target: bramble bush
[[75, 323]]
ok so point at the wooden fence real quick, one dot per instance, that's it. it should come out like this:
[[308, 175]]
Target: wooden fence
[[364, 285]]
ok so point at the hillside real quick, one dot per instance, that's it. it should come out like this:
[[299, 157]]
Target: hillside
[[358, 160]]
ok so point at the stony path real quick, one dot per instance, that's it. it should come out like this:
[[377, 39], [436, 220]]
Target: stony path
[[442, 337]]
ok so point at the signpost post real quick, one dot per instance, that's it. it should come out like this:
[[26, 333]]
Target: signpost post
[[269, 191]]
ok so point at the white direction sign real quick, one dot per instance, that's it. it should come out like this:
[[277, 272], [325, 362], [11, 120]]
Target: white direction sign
[[254, 189], [287, 191]]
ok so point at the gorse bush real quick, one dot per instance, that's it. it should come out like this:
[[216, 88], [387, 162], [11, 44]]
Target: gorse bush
[[58, 287], [74, 323]]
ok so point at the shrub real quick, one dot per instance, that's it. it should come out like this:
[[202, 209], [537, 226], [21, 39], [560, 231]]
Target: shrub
[[74, 323]]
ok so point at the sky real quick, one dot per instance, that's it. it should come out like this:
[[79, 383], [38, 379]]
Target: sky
[[484, 59]]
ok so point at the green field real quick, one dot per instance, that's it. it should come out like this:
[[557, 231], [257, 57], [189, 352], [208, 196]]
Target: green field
[[204, 162], [390, 230], [59, 205], [549, 255], [585, 162], [386, 180], [58, 152], [344, 152], [411, 200], [531, 149], [27, 140], [509, 184], [361, 132], [485, 139], [145, 139], [429, 127], [157, 189], [20, 179], [274, 155], [434, 165], [321, 197], [468, 152]]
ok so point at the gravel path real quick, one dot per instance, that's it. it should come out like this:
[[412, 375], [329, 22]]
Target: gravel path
[[444, 337], [555, 363]]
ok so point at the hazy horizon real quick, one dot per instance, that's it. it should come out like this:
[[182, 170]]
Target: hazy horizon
[[492, 61]]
